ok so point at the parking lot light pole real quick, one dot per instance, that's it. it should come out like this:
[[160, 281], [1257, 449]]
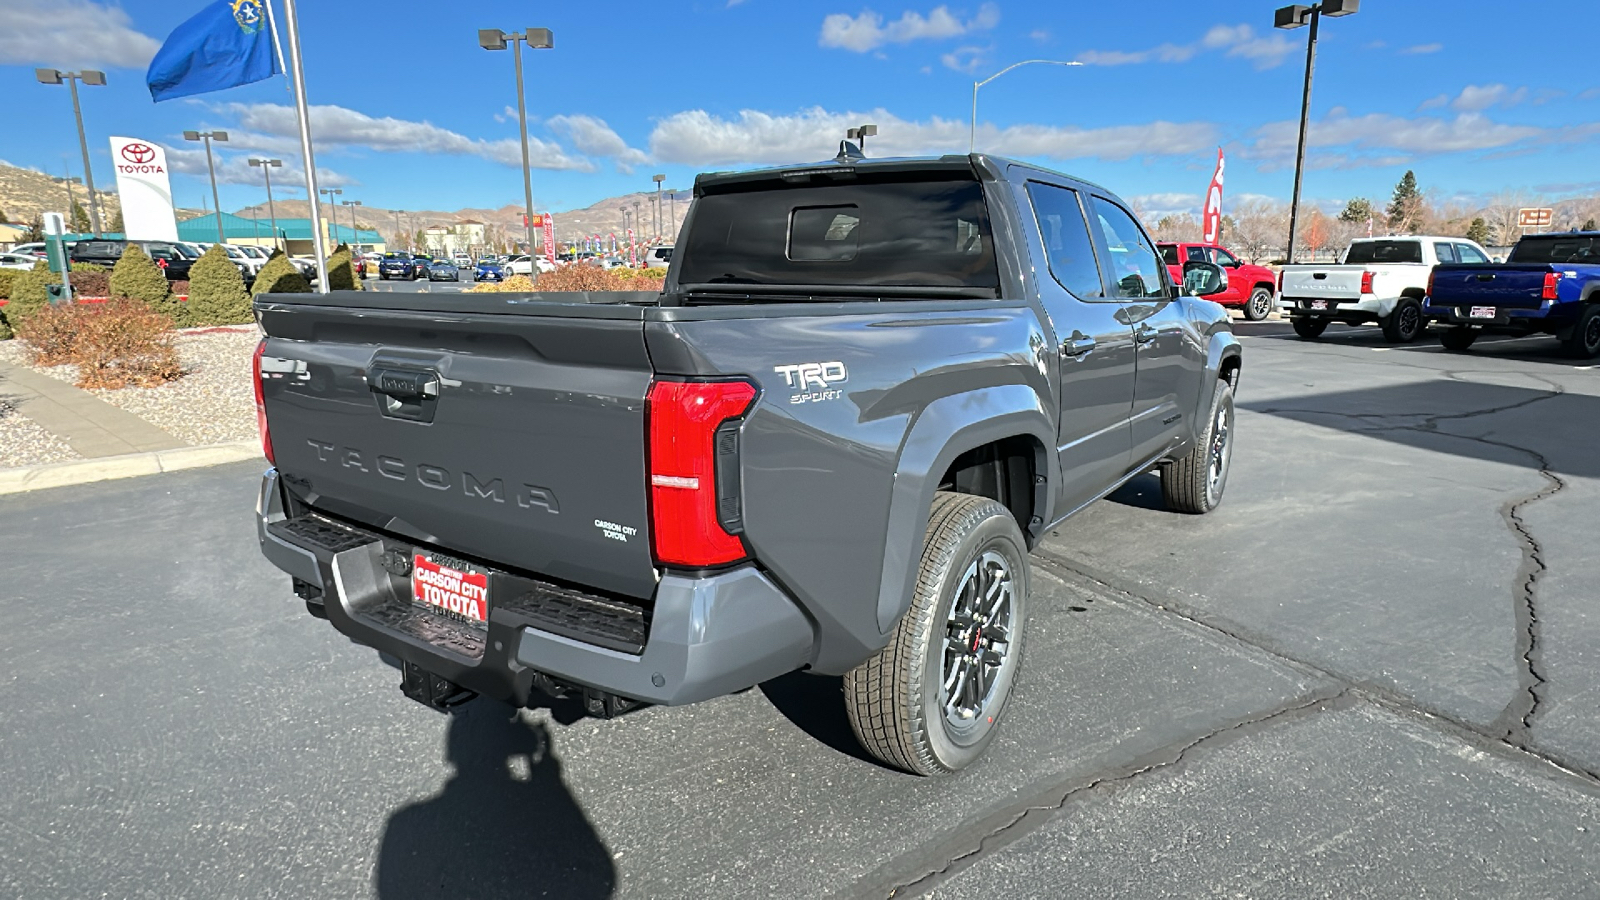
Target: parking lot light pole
[[1288, 18], [536, 39], [355, 236], [331, 193], [659, 208], [93, 78], [266, 166], [972, 146], [208, 137]]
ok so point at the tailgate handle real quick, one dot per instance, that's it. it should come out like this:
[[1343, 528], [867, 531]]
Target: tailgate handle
[[1320, 276], [410, 394], [1485, 276]]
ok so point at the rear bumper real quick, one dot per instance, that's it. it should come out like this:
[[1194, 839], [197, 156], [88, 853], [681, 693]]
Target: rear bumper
[[1551, 318], [706, 635], [1370, 308]]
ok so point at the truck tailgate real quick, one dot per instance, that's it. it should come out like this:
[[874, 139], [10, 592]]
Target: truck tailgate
[[1511, 285], [1331, 282], [516, 438]]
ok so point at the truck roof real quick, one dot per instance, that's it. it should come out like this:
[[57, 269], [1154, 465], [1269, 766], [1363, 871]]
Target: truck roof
[[973, 162]]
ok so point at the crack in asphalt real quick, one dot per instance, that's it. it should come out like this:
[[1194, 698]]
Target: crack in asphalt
[[1022, 819]]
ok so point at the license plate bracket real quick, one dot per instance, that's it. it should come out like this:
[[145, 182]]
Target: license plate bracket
[[450, 588]]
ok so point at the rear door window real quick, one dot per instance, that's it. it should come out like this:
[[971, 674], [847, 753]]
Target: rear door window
[[1198, 254], [1135, 269], [1068, 249], [1169, 254], [1445, 252]]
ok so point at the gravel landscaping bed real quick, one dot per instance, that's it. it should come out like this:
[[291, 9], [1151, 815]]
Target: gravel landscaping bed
[[212, 403], [24, 443]]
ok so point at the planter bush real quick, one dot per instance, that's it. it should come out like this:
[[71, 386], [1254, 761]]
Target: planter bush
[[279, 276], [342, 271], [137, 277], [92, 281], [114, 344], [512, 285], [217, 294]]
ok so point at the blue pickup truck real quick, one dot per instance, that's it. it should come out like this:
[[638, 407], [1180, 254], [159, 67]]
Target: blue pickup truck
[[1549, 285]]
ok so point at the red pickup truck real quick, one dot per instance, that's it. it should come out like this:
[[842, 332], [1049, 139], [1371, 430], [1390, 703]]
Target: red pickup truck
[[1249, 287]]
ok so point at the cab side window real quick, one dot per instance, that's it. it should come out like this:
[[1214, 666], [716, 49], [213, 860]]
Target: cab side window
[[1067, 245], [1134, 266], [1226, 259], [1470, 254]]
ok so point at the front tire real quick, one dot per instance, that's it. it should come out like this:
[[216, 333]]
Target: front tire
[[1310, 329], [1405, 323], [930, 701], [1585, 340], [1458, 339], [1194, 484], [1259, 306]]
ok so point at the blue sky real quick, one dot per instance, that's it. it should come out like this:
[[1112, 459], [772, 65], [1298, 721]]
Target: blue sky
[[412, 114]]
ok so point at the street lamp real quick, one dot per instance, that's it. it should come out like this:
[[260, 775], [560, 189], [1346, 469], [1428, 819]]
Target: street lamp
[[331, 193], [1288, 18], [672, 204], [92, 78], [658, 179], [355, 236], [972, 144], [266, 166], [208, 137], [536, 39]]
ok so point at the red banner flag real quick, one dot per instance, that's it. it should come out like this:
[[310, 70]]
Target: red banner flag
[[1211, 219]]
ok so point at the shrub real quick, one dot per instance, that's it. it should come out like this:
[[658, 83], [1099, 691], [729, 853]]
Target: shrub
[[180, 288], [114, 344], [217, 295], [29, 294], [279, 276], [512, 285], [342, 271], [6, 277], [136, 277], [92, 281], [50, 334]]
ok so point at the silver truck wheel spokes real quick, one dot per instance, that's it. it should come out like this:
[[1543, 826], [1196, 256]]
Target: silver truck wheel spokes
[[978, 641], [1410, 319], [1220, 451]]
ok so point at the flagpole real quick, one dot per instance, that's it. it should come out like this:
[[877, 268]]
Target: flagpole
[[298, 75], [272, 27]]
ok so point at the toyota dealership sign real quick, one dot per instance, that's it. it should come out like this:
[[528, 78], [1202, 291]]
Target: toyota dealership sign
[[144, 188]]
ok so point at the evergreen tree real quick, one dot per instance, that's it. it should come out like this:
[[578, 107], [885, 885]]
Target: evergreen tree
[[279, 276], [117, 227], [137, 277], [217, 295], [1357, 210], [342, 270], [1405, 209], [80, 219], [1588, 225], [1479, 231], [29, 294], [35, 230]]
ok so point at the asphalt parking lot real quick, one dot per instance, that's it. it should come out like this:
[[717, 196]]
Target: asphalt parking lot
[[1375, 671]]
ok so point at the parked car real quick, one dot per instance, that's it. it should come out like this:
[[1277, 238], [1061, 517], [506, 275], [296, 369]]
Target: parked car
[[1250, 287], [656, 257], [307, 266], [174, 258], [488, 271], [525, 265], [35, 249], [1380, 281], [1550, 284], [443, 270], [462, 260], [247, 265], [665, 498], [403, 265], [612, 262], [24, 261]]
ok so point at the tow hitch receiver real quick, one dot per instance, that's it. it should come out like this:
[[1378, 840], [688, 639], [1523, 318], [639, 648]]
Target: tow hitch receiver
[[431, 690]]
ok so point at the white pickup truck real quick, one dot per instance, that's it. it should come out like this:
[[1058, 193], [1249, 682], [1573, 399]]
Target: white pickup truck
[[1379, 281]]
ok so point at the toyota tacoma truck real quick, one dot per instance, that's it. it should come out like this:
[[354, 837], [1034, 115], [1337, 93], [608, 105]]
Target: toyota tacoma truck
[[1381, 281], [1250, 287], [867, 390], [1550, 284]]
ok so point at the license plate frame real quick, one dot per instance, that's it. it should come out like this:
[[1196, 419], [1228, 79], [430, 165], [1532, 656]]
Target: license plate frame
[[1482, 312], [1319, 304], [450, 588]]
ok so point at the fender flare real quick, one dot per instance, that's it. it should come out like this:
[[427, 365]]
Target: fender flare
[[945, 429], [1222, 347]]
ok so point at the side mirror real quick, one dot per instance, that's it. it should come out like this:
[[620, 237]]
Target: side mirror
[[1203, 279]]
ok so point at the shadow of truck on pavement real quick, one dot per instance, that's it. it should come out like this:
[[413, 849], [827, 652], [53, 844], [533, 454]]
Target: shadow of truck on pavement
[[505, 825]]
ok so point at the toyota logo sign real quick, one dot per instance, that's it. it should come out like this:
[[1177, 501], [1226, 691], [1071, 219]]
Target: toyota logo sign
[[138, 153]]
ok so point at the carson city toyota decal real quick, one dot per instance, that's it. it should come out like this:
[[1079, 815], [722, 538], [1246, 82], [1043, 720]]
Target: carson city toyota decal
[[138, 157]]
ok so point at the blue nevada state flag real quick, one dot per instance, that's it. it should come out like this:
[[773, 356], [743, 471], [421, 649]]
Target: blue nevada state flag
[[225, 45]]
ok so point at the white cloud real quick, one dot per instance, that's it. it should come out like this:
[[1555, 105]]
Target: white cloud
[[1474, 98], [71, 33], [696, 137], [964, 59], [274, 125], [596, 138], [1042, 35], [1380, 138], [1239, 41], [236, 169], [867, 31], [1423, 48]]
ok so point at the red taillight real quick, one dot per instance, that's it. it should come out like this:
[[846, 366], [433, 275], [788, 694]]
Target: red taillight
[[1430, 282], [261, 402], [683, 417], [1366, 282], [1280, 281], [1551, 279]]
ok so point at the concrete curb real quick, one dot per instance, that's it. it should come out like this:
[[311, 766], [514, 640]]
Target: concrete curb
[[131, 465]]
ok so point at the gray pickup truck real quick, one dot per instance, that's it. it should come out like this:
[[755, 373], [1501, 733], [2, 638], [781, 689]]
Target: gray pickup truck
[[868, 389]]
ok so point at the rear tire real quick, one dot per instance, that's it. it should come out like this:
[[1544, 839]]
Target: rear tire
[[930, 701], [1585, 340], [1405, 323], [1195, 483], [1259, 306], [1310, 329], [1458, 339]]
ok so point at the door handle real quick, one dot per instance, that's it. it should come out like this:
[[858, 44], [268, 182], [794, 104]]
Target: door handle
[[1144, 334], [1077, 345]]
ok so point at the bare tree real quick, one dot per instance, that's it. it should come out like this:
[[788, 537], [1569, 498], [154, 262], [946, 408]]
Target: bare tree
[[1177, 227], [1260, 227], [1502, 214]]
